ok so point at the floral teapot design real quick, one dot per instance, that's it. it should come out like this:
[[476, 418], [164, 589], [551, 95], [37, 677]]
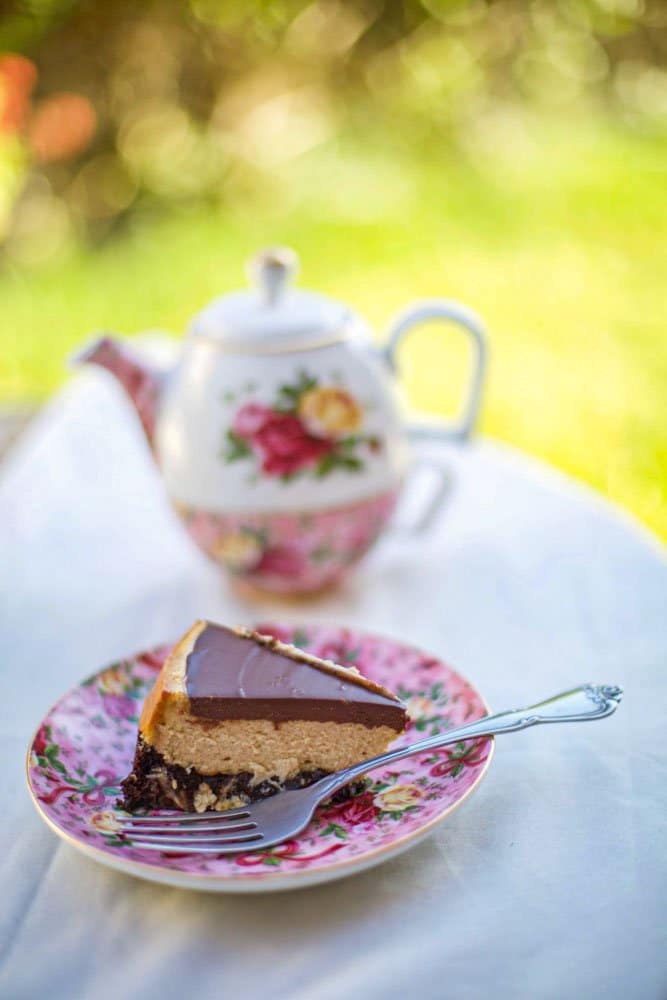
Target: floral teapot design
[[279, 432]]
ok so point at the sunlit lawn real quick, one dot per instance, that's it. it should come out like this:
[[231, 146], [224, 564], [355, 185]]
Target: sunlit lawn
[[559, 244]]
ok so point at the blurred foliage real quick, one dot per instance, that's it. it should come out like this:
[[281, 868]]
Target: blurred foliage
[[120, 108], [509, 153]]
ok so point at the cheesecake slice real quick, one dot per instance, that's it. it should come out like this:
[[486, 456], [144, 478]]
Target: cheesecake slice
[[235, 716]]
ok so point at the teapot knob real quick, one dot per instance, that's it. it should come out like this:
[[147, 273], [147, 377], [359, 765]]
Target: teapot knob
[[271, 271]]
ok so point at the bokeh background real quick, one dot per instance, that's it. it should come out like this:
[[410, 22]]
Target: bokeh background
[[512, 154]]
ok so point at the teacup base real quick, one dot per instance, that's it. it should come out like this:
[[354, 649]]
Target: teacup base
[[290, 554]]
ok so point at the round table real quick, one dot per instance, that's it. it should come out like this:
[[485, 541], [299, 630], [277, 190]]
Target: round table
[[549, 882]]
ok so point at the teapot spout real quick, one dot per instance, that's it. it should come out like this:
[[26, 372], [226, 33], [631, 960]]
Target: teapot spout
[[142, 383]]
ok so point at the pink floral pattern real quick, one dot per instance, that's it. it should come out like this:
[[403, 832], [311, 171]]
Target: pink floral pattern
[[291, 553], [84, 747], [308, 429], [142, 384], [281, 441]]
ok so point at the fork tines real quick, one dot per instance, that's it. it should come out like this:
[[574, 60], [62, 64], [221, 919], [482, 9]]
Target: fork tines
[[197, 833]]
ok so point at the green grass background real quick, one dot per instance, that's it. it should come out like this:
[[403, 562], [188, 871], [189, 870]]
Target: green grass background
[[559, 243]]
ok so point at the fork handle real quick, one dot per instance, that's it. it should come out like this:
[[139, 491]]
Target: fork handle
[[581, 704]]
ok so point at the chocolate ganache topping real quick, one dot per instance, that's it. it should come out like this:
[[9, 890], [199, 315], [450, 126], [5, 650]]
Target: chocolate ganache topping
[[232, 676]]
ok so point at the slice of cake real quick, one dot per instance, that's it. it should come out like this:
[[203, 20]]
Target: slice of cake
[[235, 716]]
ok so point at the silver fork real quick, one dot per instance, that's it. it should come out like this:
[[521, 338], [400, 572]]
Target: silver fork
[[272, 820]]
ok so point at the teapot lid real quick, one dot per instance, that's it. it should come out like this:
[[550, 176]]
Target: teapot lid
[[273, 316]]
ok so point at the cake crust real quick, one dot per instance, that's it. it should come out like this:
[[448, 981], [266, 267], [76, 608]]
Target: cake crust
[[170, 684], [156, 784]]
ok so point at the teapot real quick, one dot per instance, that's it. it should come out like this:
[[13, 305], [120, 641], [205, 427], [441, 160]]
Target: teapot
[[279, 432]]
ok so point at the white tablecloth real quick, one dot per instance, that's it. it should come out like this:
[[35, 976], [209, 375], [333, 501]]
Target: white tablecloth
[[548, 883]]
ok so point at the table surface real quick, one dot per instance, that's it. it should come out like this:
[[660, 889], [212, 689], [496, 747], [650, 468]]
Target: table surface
[[549, 882]]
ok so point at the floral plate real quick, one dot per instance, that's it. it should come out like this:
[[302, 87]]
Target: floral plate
[[84, 748]]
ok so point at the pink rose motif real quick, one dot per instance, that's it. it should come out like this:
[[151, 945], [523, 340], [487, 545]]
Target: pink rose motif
[[41, 741], [286, 446], [250, 419], [44, 739], [280, 439], [360, 809], [283, 560], [308, 427]]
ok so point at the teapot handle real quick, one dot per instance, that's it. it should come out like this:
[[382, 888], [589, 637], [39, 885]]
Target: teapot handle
[[472, 325]]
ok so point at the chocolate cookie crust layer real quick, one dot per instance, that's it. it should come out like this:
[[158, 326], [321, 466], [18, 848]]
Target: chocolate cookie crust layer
[[156, 784]]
